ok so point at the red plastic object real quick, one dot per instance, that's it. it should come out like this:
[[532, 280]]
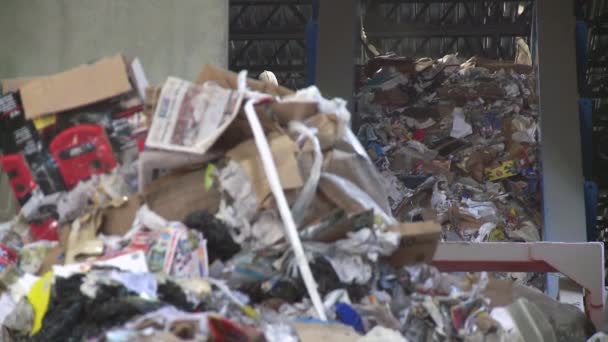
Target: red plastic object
[[20, 177], [419, 134], [45, 230], [7, 257], [82, 151]]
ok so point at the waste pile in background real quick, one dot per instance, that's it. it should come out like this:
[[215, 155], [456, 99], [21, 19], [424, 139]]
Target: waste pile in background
[[228, 210], [456, 141]]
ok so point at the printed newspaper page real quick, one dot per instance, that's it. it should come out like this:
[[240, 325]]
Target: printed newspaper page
[[191, 117]]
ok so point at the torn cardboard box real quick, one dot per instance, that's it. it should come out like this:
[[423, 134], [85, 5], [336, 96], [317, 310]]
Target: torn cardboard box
[[418, 243], [11, 85], [178, 194], [75, 88]]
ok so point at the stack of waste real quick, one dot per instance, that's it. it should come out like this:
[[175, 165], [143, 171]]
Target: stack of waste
[[456, 141], [224, 210]]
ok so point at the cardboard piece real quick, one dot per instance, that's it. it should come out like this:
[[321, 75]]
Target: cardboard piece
[[228, 79], [284, 112], [325, 332], [151, 100], [328, 130], [337, 225], [153, 164], [500, 292], [119, 220], [180, 193], [11, 85], [418, 243], [55, 256], [284, 154], [75, 88]]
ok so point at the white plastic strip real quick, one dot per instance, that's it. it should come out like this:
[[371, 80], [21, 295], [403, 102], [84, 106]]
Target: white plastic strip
[[310, 187], [277, 191]]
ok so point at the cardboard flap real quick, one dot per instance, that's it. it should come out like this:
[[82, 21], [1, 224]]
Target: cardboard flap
[[178, 194], [75, 88], [11, 85], [227, 79], [418, 243], [284, 154]]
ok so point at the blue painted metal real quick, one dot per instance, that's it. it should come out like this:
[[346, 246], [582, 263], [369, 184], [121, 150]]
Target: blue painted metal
[[312, 40], [585, 107], [581, 54], [591, 198]]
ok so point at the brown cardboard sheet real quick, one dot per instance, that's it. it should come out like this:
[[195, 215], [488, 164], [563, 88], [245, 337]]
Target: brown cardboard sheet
[[76, 87]]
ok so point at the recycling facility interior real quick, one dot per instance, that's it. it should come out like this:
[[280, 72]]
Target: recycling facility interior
[[291, 41], [487, 118]]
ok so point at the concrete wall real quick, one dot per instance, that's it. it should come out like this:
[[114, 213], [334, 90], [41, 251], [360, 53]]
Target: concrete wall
[[171, 37]]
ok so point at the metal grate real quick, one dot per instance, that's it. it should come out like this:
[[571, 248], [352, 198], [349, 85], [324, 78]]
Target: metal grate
[[270, 35], [430, 28]]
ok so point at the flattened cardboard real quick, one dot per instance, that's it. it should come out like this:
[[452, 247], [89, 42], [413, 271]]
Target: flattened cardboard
[[119, 220], [325, 332], [285, 112], [153, 164], [418, 243], [284, 154], [339, 225], [75, 88], [178, 194], [227, 79]]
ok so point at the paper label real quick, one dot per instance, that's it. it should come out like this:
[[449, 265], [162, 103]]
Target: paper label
[[505, 170]]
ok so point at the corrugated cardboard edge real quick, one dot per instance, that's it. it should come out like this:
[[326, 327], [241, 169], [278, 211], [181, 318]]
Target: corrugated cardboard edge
[[75, 88], [11, 85], [419, 242], [227, 79]]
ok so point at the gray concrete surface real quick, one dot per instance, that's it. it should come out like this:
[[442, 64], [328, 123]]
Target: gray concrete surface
[[171, 37]]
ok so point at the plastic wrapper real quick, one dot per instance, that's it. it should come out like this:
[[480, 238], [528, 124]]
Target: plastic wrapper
[[357, 197], [32, 255], [236, 185], [307, 193]]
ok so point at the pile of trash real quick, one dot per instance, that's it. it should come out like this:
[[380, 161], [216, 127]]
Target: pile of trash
[[456, 141], [227, 209]]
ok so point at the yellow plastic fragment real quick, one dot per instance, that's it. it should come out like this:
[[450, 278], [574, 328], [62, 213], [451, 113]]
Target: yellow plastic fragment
[[39, 297]]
